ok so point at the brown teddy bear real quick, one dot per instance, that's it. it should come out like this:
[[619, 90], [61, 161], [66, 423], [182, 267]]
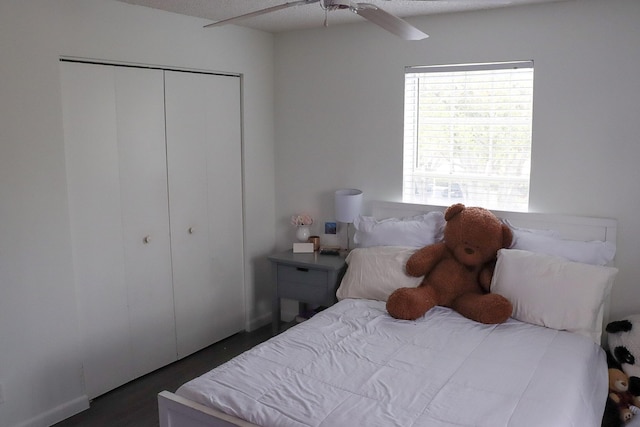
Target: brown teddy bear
[[619, 392], [457, 272]]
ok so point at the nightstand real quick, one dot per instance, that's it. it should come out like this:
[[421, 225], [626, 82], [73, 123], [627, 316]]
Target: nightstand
[[307, 278]]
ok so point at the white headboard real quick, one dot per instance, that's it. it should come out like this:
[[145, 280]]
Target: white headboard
[[569, 226]]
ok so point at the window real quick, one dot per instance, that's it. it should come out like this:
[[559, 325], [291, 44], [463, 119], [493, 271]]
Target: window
[[467, 135]]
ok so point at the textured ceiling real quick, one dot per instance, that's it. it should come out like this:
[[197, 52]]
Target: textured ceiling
[[312, 15]]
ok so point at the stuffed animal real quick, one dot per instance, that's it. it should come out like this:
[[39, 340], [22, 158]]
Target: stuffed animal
[[619, 392], [457, 272], [624, 345]]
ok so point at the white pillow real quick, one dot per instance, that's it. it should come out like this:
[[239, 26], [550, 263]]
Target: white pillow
[[373, 273], [594, 252], [553, 292], [417, 231]]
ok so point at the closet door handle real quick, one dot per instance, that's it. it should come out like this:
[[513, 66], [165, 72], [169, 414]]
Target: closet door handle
[[191, 230], [146, 240]]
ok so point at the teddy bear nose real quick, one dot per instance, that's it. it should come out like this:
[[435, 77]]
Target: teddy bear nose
[[469, 251]]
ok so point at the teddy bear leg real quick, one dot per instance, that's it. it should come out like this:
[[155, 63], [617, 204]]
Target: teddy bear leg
[[411, 303], [483, 308]]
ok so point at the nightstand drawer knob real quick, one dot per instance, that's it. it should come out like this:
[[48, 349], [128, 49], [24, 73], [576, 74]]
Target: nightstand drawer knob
[[302, 269]]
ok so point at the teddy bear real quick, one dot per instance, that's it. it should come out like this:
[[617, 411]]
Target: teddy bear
[[457, 271], [619, 393]]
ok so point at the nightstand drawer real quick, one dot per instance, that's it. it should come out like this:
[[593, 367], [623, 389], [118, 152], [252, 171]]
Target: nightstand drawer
[[309, 293], [301, 275]]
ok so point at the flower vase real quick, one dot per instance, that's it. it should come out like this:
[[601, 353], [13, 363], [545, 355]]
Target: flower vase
[[303, 232]]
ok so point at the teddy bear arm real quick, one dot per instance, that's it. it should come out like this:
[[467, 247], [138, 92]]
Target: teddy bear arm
[[425, 259]]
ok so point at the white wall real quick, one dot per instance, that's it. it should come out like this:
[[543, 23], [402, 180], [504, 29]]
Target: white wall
[[339, 106], [40, 371]]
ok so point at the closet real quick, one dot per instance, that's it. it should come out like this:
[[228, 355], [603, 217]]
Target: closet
[[154, 182]]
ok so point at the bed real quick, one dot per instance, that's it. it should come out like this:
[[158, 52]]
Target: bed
[[353, 364]]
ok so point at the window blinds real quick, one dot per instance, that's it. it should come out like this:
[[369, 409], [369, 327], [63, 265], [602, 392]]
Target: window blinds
[[468, 134]]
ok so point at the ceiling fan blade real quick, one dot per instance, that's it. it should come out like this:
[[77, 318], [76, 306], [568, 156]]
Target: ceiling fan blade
[[389, 22], [261, 12]]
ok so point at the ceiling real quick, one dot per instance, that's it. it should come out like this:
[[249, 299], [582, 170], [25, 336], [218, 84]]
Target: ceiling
[[312, 15]]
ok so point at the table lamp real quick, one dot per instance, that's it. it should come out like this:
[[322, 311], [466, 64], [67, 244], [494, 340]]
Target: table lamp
[[348, 203]]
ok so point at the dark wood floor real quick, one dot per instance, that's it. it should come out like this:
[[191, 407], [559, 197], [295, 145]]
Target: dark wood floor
[[135, 403]]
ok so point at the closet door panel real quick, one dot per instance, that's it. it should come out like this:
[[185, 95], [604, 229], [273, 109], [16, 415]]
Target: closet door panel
[[225, 203], [205, 199], [93, 186], [117, 185], [145, 216]]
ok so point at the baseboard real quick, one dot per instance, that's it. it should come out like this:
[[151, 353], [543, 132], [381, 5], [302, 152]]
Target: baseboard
[[288, 313], [57, 414], [259, 322]]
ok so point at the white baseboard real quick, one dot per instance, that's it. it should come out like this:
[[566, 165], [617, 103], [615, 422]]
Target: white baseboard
[[57, 414], [288, 314], [253, 324]]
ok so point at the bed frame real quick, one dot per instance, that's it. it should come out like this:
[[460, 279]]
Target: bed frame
[[176, 411]]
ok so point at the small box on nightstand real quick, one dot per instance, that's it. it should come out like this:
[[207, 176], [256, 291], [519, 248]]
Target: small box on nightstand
[[303, 248]]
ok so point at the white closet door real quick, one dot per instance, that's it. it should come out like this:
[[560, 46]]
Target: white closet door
[[117, 186], [145, 217], [205, 199]]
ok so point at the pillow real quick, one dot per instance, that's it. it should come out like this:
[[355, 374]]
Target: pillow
[[373, 273], [521, 230], [594, 252], [553, 292], [417, 231]]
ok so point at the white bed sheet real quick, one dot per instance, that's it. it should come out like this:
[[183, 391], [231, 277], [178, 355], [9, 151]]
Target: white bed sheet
[[353, 364]]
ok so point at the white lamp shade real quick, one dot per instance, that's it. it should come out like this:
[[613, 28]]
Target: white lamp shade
[[348, 203]]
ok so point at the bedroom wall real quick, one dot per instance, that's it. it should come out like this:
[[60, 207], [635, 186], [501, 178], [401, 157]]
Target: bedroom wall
[[40, 370], [339, 106]]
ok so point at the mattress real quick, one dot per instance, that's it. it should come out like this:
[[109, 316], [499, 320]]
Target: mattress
[[353, 364]]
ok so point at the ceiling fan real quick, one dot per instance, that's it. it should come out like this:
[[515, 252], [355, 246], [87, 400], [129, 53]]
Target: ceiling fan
[[371, 12]]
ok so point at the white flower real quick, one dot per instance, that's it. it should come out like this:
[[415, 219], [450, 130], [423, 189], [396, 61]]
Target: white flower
[[301, 219]]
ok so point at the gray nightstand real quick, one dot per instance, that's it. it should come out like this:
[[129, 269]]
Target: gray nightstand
[[306, 278]]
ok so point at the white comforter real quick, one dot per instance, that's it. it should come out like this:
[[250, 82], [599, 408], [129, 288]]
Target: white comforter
[[354, 365]]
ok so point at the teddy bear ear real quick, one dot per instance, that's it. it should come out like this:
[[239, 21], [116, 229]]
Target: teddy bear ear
[[507, 236], [619, 326], [453, 210]]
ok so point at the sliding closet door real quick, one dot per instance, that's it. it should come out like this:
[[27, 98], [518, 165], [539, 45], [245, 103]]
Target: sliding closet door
[[117, 187], [205, 199]]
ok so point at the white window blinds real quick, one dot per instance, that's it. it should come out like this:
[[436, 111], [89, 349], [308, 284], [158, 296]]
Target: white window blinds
[[467, 135]]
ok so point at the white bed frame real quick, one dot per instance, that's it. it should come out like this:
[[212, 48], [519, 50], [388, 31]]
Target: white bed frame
[[176, 411]]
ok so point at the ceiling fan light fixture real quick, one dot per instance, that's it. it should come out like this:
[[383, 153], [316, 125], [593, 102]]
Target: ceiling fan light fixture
[[336, 4]]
